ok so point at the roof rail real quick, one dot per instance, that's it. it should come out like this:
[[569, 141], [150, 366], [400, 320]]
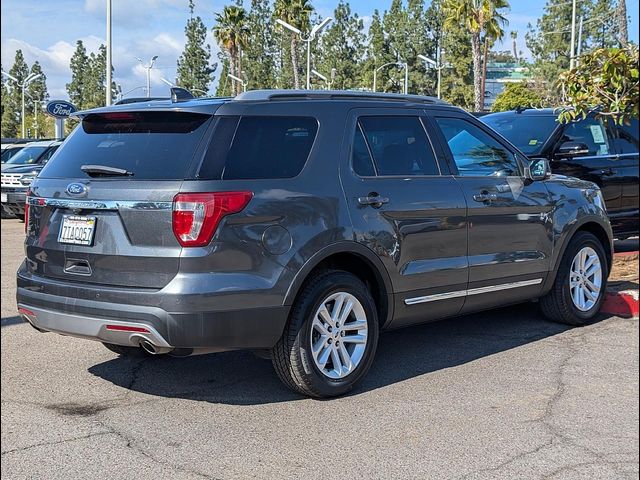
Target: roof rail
[[269, 95]]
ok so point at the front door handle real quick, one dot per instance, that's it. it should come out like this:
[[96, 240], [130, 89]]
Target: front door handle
[[485, 196], [373, 199], [607, 172]]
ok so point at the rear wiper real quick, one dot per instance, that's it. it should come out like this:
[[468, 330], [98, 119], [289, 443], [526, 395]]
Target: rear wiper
[[104, 170]]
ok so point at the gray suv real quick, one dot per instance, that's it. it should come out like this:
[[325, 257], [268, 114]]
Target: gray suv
[[299, 224]]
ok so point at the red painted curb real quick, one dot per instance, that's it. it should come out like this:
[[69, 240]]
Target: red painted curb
[[626, 254], [622, 304]]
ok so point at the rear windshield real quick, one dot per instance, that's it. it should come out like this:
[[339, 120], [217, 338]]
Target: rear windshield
[[259, 147], [150, 145], [527, 132], [27, 156]]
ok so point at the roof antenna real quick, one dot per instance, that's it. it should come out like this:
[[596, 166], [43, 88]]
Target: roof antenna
[[179, 94]]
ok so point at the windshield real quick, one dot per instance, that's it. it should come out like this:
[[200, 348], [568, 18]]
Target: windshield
[[527, 132], [7, 153], [27, 156]]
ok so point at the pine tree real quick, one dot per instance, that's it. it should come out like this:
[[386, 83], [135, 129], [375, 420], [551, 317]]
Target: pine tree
[[79, 64], [4, 97], [341, 49], [259, 62], [621, 20], [195, 73], [12, 114]]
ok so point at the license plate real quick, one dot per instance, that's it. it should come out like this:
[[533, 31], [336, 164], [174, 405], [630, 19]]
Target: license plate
[[77, 230], [4, 198]]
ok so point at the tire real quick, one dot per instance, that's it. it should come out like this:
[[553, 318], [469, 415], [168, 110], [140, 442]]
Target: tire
[[292, 356], [558, 305], [124, 351]]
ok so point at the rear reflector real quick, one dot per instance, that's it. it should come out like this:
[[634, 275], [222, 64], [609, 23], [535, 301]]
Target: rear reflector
[[26, 311], [196, 216], [127, 328]]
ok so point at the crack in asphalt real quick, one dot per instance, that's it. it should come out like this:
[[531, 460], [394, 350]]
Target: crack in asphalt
[[56, 442], [556, 435]]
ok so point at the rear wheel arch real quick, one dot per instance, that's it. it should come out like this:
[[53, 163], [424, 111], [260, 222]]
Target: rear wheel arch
[[356, 259]]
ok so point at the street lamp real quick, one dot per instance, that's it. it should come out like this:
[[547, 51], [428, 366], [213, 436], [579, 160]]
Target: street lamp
[[171, 84], [122, 95], [240, 80], [23, 86], [399, 64], [314, 31], [321, 77], [437, 65], [149, 66]]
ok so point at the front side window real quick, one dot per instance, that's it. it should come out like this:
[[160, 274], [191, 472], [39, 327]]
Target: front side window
[[589, 132], [27, 156], [399, 145], [627, 137], [475, 152]]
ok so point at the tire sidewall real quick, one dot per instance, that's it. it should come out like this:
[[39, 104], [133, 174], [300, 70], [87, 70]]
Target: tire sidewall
[[337, 282]]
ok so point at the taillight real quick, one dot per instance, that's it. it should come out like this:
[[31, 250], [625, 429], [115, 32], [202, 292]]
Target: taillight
[[196, 216], [26, 213]]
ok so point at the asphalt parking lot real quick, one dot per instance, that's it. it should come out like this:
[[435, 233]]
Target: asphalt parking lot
[[502, 394]]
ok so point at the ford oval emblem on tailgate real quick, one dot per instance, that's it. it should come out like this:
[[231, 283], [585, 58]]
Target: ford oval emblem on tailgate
[[76, 189]]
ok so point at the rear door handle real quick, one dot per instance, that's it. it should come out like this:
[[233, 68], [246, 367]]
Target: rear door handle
[[485, 196], [373, 199]]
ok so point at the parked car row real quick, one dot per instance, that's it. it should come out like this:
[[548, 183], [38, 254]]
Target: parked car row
[[300, 224], [21, 163], [592, 149]]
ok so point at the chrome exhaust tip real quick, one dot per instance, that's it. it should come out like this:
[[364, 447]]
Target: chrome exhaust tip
[[152, 349]]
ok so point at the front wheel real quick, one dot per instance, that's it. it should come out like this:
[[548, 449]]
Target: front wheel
[[331, 338], [581, 282]]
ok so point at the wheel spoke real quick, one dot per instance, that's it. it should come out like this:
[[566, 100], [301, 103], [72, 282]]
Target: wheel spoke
[[337, 308], [357, 325], [592, 270], [346, 358], [346, 310], [324, 356], [324, 314], [355, 339], [592, 287], [335, 358], [590, 262], [590, 295], [320, 327]]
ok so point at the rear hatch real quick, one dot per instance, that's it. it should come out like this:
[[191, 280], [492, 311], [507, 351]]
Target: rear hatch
[[100, 211]]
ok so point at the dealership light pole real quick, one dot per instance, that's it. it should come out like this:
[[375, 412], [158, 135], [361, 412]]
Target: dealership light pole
[[148, 67], [437, 64], [23, 86], [108, 89], [239, 80], [399, 64], [314, 31], [321, 77]]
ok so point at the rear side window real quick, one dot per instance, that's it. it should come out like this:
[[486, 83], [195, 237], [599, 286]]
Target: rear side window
[[259, 147], [399, 145], [151, 145]]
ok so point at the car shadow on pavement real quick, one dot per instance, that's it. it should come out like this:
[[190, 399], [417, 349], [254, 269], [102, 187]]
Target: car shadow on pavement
[[8, 321], [240, 378]]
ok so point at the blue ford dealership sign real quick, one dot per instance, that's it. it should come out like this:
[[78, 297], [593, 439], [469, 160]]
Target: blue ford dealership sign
[[60, 108]]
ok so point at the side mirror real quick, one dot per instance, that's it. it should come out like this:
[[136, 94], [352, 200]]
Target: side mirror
[[572, 149], [538, 169]]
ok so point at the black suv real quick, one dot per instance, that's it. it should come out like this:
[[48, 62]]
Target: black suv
[[299, 223], [590, 149]]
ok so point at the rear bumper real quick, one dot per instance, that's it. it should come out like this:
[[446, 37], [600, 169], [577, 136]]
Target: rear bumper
[[14, 202], [247, 328]]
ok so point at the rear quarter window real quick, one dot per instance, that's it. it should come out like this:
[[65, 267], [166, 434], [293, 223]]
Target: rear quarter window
[[259, 147]]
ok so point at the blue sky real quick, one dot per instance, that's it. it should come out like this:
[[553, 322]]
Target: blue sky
[[47, 31]]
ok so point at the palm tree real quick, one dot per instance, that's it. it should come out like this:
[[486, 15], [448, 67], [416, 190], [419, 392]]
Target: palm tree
[[296, 13], [514, 43], [231, 33], [478, 17]]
